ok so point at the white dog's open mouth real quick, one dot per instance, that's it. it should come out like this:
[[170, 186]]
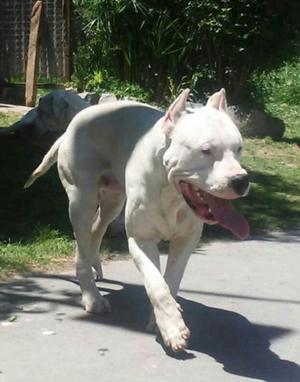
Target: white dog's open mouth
[[214, 210]]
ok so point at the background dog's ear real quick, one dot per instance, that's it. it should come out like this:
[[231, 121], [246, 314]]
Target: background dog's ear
[[174, 111], [218, 100]]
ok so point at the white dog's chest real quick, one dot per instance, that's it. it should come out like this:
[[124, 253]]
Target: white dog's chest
[[177, 217]]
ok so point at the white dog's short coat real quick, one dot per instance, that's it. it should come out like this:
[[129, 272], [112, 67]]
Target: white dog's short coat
[[177, 170]]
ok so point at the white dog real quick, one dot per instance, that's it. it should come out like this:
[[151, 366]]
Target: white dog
[[177, 170]]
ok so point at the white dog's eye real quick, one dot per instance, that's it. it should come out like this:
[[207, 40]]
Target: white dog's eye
[[206, 151], [239, 149]]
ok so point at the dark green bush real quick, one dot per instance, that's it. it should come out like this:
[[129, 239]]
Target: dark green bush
[[278, 90], [205, 44], [101, 82], [280, 85]]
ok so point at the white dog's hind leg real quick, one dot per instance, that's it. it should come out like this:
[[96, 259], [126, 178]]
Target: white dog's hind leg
[[82, 207], [96, 242], [110, 207], [167, 315]]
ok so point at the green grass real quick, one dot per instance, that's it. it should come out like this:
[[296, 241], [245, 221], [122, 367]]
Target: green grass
[[32, 226], [275, 169], [274, 199], [7, 120], [47, 247]]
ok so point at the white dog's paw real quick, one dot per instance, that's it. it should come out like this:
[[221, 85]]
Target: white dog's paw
[[174, 332], [176, 337], [98, 305]]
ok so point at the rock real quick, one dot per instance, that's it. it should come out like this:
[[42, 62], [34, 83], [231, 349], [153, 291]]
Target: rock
[[257, 123], [107, 97], [89, 97]]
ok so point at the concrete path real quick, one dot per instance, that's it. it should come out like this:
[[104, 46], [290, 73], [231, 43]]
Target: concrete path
[[241, 301]]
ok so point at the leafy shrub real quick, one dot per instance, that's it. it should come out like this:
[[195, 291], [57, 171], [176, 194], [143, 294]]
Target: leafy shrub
[[278, 90], [280, 85], [100, 82], [146, 42]]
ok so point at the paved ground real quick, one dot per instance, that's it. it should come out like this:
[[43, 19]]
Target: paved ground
[[240, 299]]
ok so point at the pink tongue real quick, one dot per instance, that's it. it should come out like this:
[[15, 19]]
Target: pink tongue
[[227, 216]]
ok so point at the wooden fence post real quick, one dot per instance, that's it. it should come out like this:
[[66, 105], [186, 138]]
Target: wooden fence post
[[32, 60], [67, 6]]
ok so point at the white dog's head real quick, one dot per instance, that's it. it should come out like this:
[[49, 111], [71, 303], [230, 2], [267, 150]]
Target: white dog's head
[[203, 160]]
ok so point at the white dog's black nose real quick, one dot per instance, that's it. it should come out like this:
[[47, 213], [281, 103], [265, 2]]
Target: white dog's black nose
[[239, 183]]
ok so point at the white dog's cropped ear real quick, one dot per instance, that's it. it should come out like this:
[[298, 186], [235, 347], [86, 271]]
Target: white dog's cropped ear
[[174, 111], [218, 100]]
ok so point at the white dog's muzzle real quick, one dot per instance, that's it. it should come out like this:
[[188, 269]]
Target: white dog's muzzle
[[214, 210]]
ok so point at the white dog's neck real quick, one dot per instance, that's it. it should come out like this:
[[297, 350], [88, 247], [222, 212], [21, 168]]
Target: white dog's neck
[[155, 194]]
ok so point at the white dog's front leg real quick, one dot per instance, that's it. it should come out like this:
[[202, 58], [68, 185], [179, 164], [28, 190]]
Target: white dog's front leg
[[167, 314], [180, 251]]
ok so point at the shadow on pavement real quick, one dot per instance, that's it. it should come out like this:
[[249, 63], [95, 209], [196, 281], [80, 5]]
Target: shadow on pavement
[[28, 296], [241, 346]]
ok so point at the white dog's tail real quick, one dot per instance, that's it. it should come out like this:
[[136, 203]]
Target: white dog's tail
[[49, 159]]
